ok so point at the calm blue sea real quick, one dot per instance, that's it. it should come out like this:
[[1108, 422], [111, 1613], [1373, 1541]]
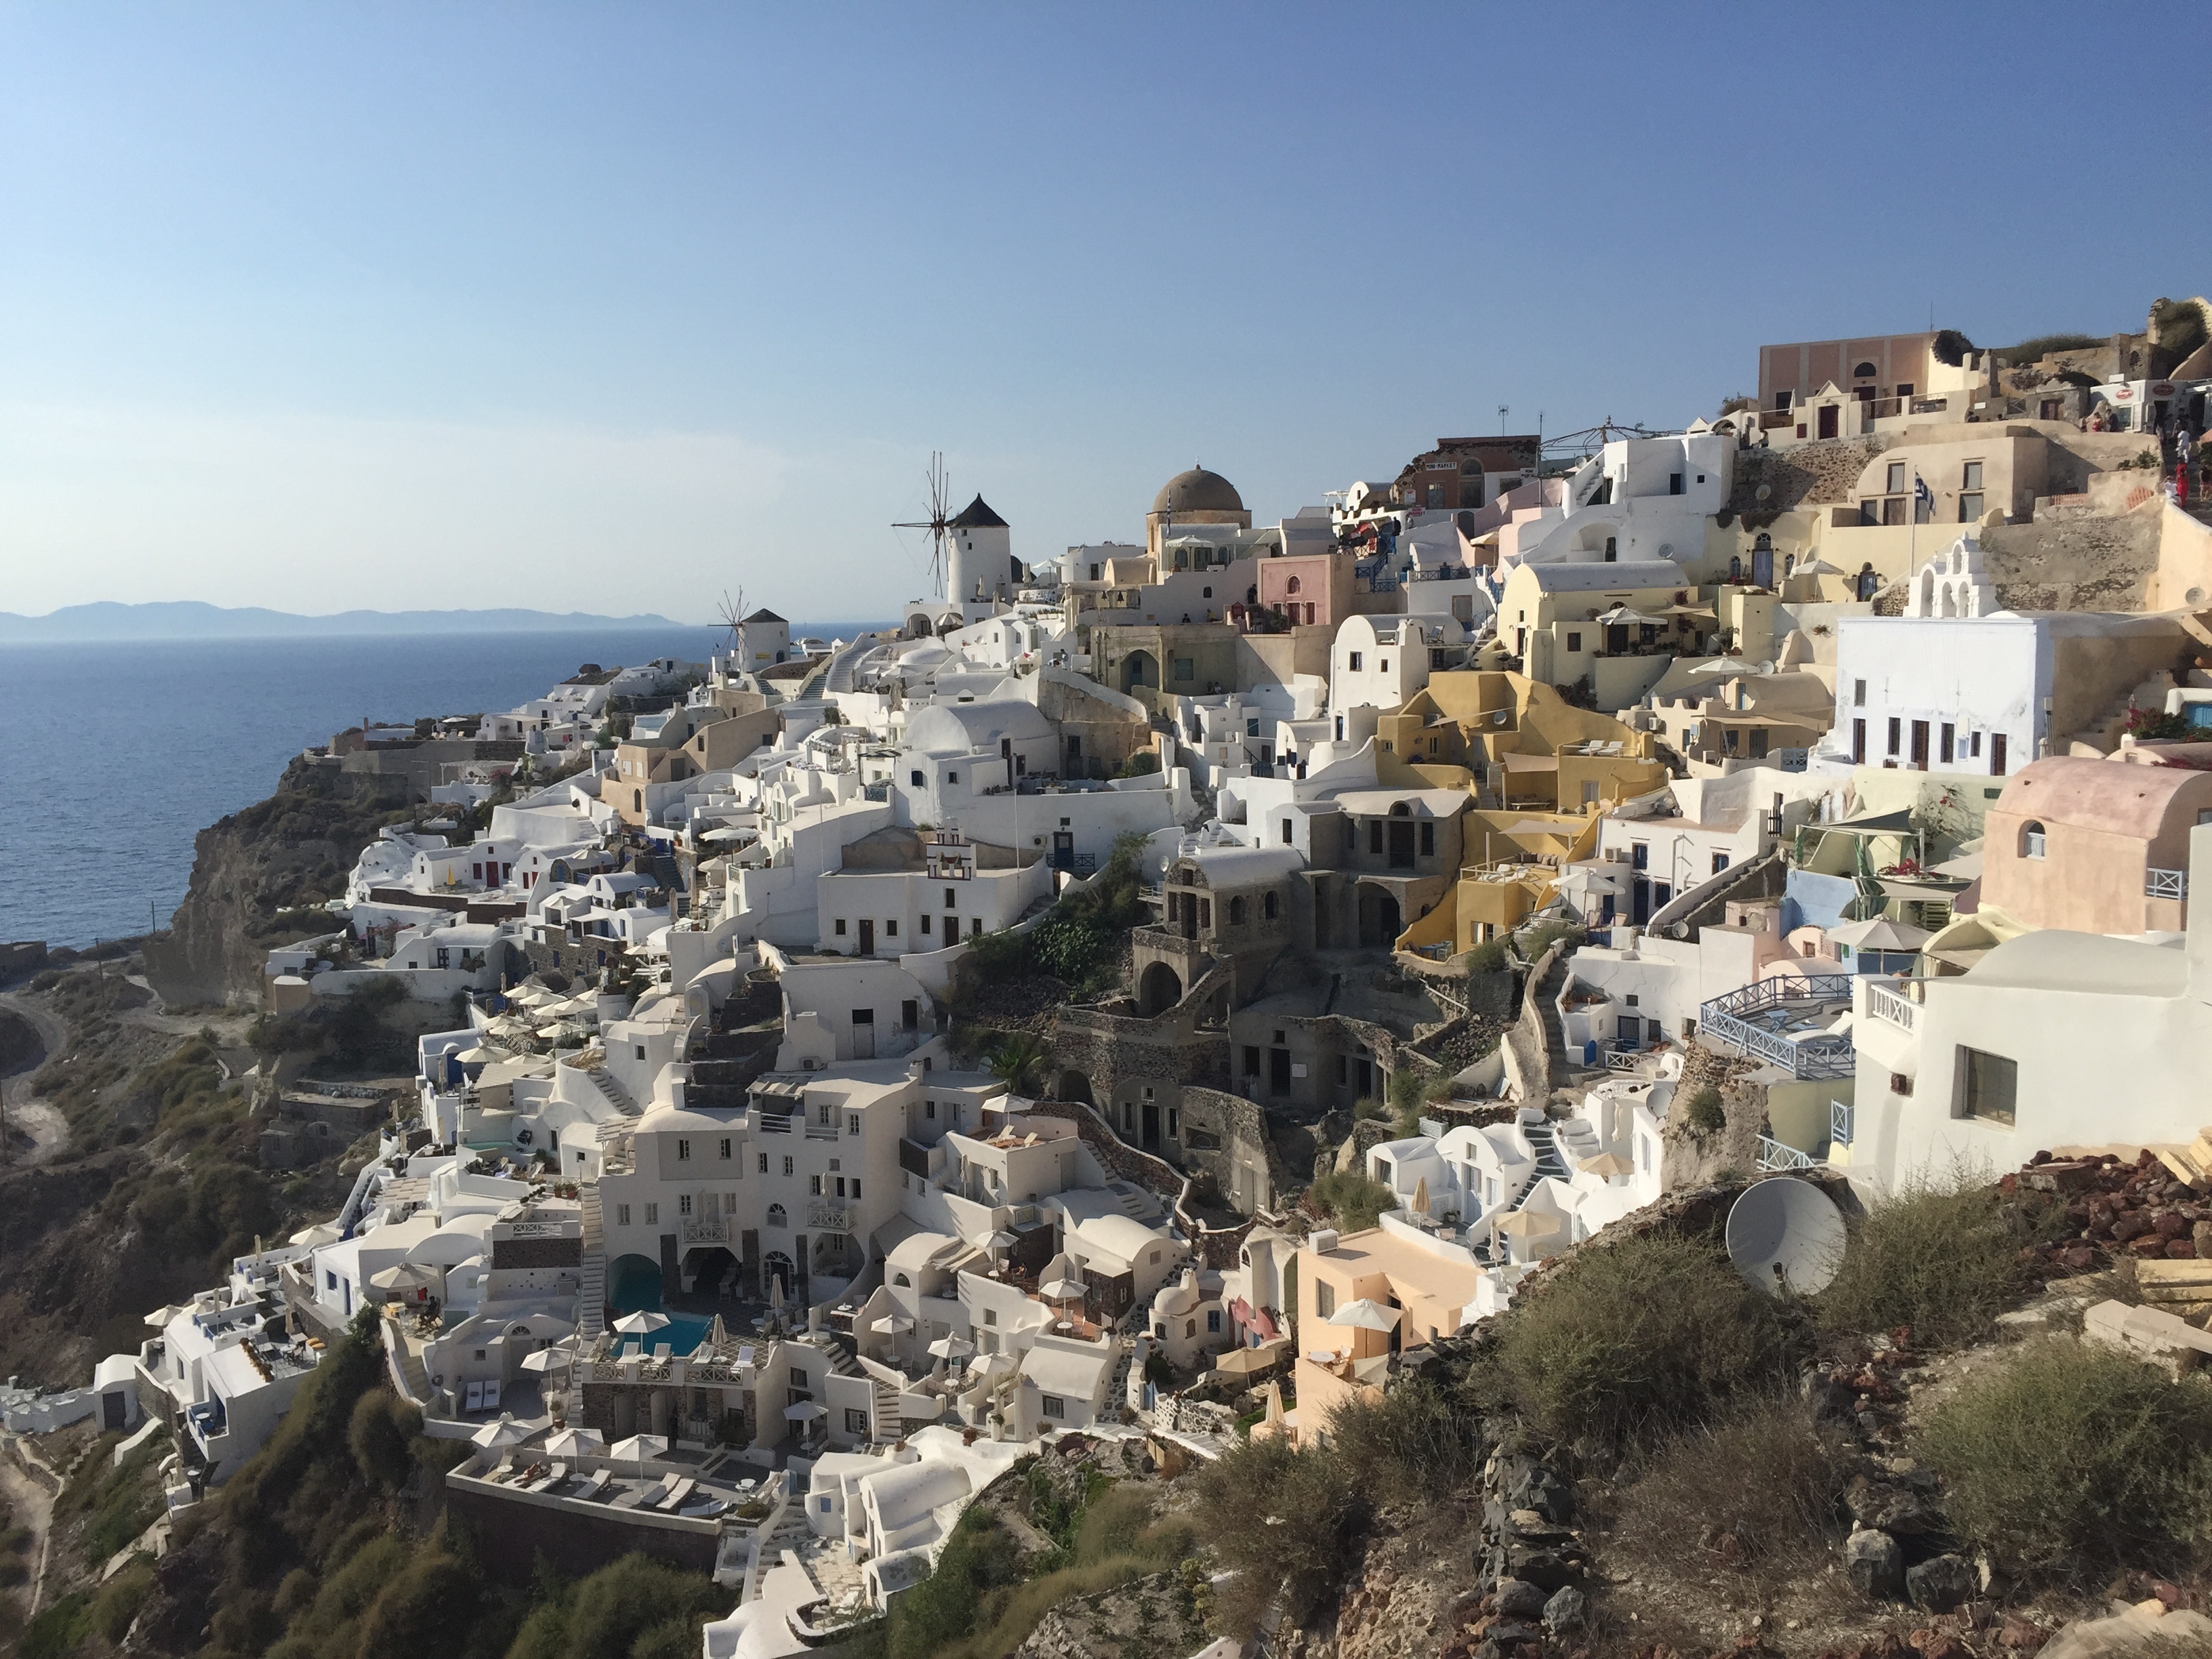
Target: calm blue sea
[[116, 755]]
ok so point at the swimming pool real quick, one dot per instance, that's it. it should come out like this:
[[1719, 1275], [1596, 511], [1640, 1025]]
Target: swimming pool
[[681, 1334]]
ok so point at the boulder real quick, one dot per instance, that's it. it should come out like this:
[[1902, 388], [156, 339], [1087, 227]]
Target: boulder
[[1875, 1564], [1517, 1598], [1567, 1611], [1548, 1569], [1890, 1509], [1942, 1584]]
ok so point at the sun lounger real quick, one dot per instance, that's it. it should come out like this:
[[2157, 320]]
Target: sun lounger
[[594, 1483], [473, 1401], [651, 1497], [680, 1493], [550, 1477], [491, 1397], [506, 1467], [661, 1352]]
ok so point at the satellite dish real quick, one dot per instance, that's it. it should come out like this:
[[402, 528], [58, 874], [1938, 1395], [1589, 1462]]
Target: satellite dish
[[1784, 1233]]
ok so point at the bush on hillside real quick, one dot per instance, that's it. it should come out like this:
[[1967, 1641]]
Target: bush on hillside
[[1771, 1476], [1285, 1521], [1639, 1337], [2070, 1461], [1702, 1112], [1414, 1443], [1350, 1200], [1945, 1259]]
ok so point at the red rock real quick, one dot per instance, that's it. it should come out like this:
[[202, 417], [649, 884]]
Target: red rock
[[2171, 1594], [2080, 1259], [2127, 1227], [2022, 1635], [2180, 1249], [2171, 1225], [2149, 1244]]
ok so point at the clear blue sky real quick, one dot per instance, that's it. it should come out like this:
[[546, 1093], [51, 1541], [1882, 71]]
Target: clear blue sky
[[612, 307]]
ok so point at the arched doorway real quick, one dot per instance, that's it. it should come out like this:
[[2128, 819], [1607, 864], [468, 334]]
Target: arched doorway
[[710, 1271], [1072, 1085], [1139, 668], [778, 1265], [634, 1285], [1379, 921], [1159, 990]]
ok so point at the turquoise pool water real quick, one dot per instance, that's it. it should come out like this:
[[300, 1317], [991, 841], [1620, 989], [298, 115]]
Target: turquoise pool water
[[681, 1334]]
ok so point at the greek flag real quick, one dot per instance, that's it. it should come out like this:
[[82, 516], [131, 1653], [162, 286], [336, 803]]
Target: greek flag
[[1923, 499]]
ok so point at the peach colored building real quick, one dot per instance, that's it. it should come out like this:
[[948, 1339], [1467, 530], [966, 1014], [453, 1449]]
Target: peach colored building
[[1311, 589], [1429, 1282], [2093, 846]]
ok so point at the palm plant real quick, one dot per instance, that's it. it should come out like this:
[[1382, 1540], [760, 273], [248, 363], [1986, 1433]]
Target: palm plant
[[1018, 1060]]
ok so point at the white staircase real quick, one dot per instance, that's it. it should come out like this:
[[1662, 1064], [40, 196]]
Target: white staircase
[[591, 1300]]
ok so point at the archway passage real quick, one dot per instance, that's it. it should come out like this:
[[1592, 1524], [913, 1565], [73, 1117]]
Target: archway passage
[[1159, 990], [1139, 668], [1073, 1085], [634, 1285], [710, 1270], [1379, 921]]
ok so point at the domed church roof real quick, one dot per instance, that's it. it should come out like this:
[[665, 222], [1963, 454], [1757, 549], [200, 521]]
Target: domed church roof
[[1198, 491]]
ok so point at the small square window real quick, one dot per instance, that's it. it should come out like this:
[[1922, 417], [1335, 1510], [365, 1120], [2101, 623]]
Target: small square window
[[838, 927]]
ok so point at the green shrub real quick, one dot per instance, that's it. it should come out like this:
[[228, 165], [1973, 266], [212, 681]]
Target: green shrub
[[1350, 1200], [2070, 1460], [1414, 1443], [59, 1630], [1945, 1259], [1772, 1474], [119, 1598], [1487, 958], [941, 1610], [2036, 349], [1284, 1521], [381, 1435], [1641, 1337], [1702, 1112]]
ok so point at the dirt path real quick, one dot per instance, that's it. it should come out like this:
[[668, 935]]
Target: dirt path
[[26, 1115], [229, 1027], [33, 1505]]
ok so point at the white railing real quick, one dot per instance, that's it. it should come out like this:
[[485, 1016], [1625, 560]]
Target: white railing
[[2165, 884], [1891, 1006], [1773, 1155], [1843, 1118]]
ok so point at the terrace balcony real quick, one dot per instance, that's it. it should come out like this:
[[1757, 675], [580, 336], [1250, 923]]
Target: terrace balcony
[[1784, 1022]]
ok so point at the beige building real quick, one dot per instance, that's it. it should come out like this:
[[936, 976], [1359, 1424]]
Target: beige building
[[2093, 846], [1428, 1284]]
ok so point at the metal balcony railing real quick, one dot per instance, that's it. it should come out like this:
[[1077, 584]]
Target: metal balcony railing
[[1758, 1019], [2165, 884], [1843, 1119]]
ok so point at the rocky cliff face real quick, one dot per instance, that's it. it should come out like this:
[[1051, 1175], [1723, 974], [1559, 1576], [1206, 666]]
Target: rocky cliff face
[[251, 871]]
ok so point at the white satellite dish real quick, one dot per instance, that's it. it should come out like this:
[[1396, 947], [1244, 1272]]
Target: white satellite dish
[[1784, 1233]]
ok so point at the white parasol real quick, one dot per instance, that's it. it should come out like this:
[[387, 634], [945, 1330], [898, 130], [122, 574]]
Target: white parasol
[[1365, 1315], [505, 1432]]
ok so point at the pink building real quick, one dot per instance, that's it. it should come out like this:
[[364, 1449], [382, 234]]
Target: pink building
[[1310, 589], [2094, 846]]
